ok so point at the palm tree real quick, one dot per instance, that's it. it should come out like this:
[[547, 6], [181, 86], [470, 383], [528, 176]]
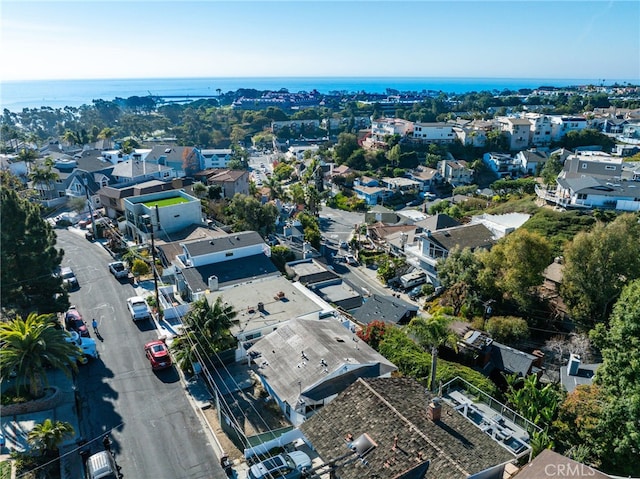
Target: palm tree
[[432, 333], [212, 323], [27, 155], [28, 346], [48, 435], [44, 177]]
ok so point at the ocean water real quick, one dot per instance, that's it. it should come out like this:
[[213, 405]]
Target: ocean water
[[16, 95]]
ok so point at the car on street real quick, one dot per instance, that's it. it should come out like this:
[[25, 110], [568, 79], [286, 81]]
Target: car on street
[[344, 245], [119, 270], [350, 259], [138, 308], [87, 346], [158, 355], [73, 321], [69, 280], [289, 465], [415, 293]]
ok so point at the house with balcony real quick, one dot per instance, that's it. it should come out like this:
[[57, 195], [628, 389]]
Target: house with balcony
[[162, 213], [517, 131], [561, 125], [592, 163], [590, 192], [184, 160], [427, 133], [473, 133], [136, 171], [433, 246], [455, 172], [112, 197], [427, 177], [541, 128], [372, 195], [216, 157], [503, 164], [383, 128]]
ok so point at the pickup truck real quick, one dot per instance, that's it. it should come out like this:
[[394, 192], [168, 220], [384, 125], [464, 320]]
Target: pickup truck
[[86, 345], [138, 308], [119, 270]]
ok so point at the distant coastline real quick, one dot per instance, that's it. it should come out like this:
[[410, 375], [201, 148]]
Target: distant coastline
[[17, 95]]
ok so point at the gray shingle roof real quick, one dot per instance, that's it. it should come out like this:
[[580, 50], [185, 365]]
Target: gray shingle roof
[[237, 240], [466, 236], [292, 376], [384, 308], [511, 360], [393, 412]]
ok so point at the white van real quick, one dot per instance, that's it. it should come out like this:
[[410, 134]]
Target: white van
[[102, 465]]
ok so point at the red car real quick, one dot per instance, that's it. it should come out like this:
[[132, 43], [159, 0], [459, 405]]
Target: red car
[[158, 355], [73, 322]]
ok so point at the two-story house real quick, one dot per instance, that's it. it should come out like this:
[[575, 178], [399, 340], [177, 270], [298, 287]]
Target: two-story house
[[561, 125], [541, 129], [503, 164], [426, 133], [383, 128], [160, 213], [230, 181], [433, 246], [216, 157], [455, 172], [400, 184], [427, 177], [531, 161]]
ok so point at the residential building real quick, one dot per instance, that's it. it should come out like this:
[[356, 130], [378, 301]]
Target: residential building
[[295, 126], [111, 197], [541, 129], [592, 163], [383, 128], [503, 164], [433, 246], [306, 363], [391, 428], [372, 195], [501, 225], [219, 263], [385, 308], [184, 160], [473, 133], [230, 181], [561, 125], [216, 158], [297, 152], [427, 133], [575, 373], [135, 171], [531, 161], [455, 172], [378, 214], [265, 304], [427, 177], [165, 211], [593, 192], [517, 131], [400, 184]]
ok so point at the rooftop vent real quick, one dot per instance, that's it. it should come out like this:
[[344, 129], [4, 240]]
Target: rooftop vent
[[167, 150], [363, 445]]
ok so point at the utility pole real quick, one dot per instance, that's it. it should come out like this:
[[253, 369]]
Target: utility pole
[[153, 262], [93, 220]]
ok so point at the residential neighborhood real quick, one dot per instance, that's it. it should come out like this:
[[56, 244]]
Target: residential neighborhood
[[374, 291]]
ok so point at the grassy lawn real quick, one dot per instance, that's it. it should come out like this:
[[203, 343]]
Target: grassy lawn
[[5, 470], [166, 202]]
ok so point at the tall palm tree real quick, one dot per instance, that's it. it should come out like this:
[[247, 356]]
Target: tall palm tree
[[432, 333], [43, 177], [48, 435], [28, 346], [27, 155]]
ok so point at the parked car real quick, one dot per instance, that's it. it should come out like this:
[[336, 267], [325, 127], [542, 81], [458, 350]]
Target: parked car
[[73, 321], [344, 245], [416, 292], [102, 465], [87, 346], [350, 259], [138, 308], [289, 465], [119, 270], [158, 355], [69, 279]]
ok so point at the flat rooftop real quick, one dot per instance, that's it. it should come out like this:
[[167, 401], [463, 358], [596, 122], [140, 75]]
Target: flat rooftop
[[281, 301]]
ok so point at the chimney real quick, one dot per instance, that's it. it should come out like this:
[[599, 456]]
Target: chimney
[[434, 410], [574, 365], [261, 306], [213, 283], [539, 361]]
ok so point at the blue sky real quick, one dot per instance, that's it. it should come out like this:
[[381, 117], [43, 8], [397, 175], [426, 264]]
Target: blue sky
[[159, 39]]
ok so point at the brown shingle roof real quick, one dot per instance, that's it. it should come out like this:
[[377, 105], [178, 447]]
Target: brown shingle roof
[[393, 412]]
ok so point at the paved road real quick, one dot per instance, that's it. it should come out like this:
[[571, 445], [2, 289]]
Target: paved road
[[155, 431]]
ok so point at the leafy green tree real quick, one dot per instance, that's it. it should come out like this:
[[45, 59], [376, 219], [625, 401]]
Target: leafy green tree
[[460, 266], [140, 267], [516, 264], [346, 146], [598, 264], [247, 214], [199, 189], [48, 435], [30, 346], [432, 333], [618, 431], [280, 255], [388, 267], [551, 169], [507, 329], [283, 171], [29, 258], [539, 404]]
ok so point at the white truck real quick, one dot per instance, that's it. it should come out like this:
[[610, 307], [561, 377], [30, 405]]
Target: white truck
[[138, 308], [413, 279], [86, 345]]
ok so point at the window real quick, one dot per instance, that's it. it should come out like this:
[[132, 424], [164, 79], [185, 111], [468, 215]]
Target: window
[[229, 253], [609, 167], [582, 196]]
